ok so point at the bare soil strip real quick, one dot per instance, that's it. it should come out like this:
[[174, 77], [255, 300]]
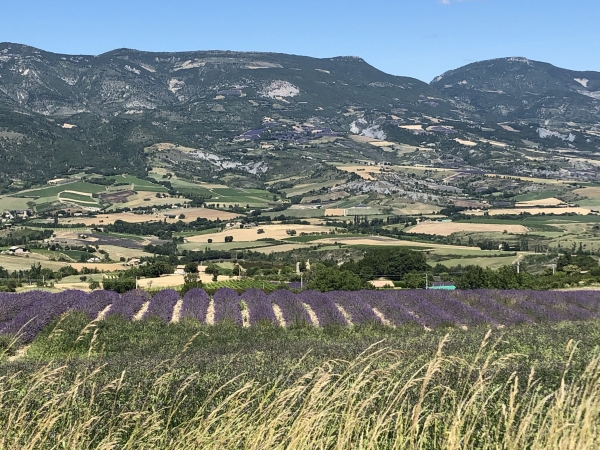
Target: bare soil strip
[[177, 311], [344, 313], [313, 317], [279, 315], [102, 314], [245, 314], [142, 312], [210, 313], [381, 317], [19, 353]]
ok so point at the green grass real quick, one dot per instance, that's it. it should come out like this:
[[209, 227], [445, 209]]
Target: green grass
[[139, 184], [492, 263], [77, 197], [297, 213], [53, 191], [188, 385], [12, 203], [224, 245], [536, 196]]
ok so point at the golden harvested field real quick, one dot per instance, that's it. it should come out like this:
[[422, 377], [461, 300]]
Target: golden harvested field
[[362, 139], [376, 240], [175, 280], [382, 143], [465, 142], [103, 267], [447, 228], [544, 202], [417, 208], [117, 252], [12, 263], [532, 179], [191, 214], [589, 192], [335, 212], [534, 211], [250, 234], [279, 248], [136, 200], [362, 171], [412, 127]]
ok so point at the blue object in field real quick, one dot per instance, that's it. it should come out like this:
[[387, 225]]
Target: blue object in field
[[441, 285]]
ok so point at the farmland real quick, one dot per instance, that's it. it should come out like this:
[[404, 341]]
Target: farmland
[[446, 229], [29, 313], [163, 349]]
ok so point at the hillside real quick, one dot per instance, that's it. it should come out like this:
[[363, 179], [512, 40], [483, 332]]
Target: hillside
[[521, 89], [248, 119]]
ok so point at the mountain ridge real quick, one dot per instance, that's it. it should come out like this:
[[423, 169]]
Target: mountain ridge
[[94, 113]]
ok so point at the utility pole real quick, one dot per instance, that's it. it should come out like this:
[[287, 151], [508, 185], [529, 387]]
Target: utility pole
[[426, 279], [301, 284], [518, 267]]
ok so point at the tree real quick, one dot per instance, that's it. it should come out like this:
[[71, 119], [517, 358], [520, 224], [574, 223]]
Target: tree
[[228, 238], [326, 279], [414, 280], [388, 262], [191, 267]]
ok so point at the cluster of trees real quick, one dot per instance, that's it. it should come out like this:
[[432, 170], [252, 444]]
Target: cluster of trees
[[10, 281]]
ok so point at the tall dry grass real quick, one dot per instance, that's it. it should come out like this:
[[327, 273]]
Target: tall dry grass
[[376, 401]]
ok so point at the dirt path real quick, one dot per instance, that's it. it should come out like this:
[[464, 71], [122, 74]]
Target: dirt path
[[177, 311], [313, 317], [143, 310]]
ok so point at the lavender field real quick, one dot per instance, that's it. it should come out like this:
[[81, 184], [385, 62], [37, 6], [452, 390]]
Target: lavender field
[[28, 313]]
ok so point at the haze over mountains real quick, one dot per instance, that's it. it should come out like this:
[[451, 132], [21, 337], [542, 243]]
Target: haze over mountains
[[65, 113]]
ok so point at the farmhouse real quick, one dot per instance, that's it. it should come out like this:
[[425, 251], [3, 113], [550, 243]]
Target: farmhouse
[[16, 250]]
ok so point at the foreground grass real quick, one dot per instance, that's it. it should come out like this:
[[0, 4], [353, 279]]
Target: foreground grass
[[117, 384]]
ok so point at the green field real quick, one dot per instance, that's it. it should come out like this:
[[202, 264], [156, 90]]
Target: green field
[[536, 196], [77, 197], [139, 184], [298, 213], [224, 245], [492, 263], [53, 191], [222, 387]]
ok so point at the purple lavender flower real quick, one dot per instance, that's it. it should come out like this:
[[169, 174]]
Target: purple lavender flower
[[259, 306], [227, 306], [12, 304], [33, 319], [355, 306], [129, 304], [323, 306], [291, 307], [92, 304], [195, 305], [162, 305]]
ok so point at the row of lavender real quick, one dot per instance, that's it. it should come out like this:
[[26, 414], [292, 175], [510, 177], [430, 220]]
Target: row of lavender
[[28, 313]]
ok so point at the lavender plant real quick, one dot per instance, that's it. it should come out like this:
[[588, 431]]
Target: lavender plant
[[259, 306], [129, 303], [195, 304], [323, 306], [227, 306], [33, 319], [162, 305], [355, 305], [291, 307], [92, 304]]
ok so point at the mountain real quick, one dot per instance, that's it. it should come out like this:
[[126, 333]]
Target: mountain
[[245, 119], [522, 89], [75, 112]]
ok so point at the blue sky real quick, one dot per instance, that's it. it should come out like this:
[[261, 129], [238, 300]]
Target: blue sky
[[419, 38]]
